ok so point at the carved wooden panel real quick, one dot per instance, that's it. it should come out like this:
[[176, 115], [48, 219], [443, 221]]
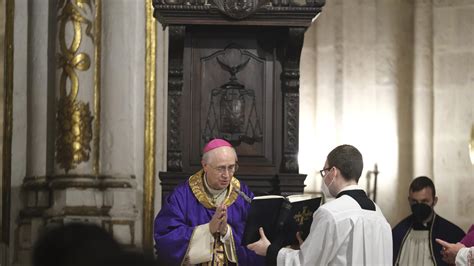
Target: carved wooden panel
[[209, 56]]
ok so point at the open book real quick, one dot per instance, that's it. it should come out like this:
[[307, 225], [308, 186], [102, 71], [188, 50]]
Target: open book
[[281, 217]]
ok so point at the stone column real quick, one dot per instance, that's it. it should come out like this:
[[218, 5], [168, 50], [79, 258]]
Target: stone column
[[394, 66], [39, 155], [423, 89]]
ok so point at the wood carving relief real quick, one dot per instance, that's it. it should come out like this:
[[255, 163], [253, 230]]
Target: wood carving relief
[[175, 86], [232, 113], [291, 85], [238, 9], [230, 93]]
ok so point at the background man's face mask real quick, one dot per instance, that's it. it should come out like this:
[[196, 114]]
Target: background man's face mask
[[421, 211]]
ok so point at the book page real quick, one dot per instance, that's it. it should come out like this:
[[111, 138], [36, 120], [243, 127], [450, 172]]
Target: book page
[[301, 197], [268, 197]]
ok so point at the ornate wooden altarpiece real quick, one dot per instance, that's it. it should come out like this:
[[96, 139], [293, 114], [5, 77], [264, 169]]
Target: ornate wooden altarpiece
[[233, 73]]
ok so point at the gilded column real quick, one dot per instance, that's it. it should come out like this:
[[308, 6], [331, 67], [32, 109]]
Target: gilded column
[[81, 189], [76, 89], [150, 129]]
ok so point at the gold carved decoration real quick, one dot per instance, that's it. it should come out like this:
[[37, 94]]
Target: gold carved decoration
[[74, 119], [150, 129], [74, 133], [97, 83]]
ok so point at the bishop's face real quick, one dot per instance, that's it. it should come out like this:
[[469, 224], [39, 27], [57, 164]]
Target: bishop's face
[[220, 167]]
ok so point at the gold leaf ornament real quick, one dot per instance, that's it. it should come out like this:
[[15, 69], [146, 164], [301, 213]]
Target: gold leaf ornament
[[74, 133]]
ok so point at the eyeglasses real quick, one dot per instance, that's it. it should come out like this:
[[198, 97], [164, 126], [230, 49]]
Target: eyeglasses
[[324, 172], [224, 169]]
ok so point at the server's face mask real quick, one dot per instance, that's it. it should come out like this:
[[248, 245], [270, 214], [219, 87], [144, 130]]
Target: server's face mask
[[324, 187]]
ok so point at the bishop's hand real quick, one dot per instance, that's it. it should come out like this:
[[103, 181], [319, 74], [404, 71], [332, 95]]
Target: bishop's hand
[[218, 223], [261, 246], [223, 223], [449, 250]]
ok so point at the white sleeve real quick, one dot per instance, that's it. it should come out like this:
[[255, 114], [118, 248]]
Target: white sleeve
[[200, 245], [229, 245], [465, 256], [226, 237], [288, 257], [319, 246]]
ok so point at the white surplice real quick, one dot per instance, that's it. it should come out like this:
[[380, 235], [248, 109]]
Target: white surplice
[[465, 257], [342, 233], [416, 249]]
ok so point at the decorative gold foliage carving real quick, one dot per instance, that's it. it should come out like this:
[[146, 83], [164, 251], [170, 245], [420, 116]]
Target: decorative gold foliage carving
[[73, 118], [74, 129]]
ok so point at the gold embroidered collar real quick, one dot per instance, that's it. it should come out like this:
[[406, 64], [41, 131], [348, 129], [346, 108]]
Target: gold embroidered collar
[[196, 183]]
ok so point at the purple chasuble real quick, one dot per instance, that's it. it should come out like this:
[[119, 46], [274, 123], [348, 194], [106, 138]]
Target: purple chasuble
[[182, 211], [468, 240]]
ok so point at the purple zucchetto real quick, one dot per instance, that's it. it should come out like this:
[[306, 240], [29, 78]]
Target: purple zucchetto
[[214, 144]]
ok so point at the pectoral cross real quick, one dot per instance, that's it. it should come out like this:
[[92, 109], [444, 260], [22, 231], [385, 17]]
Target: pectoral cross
[[303, 215]]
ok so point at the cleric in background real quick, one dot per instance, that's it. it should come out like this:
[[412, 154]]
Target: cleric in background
[[414, 237], [202, 221]]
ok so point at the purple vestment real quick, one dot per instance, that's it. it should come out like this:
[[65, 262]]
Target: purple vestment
[[182, 211], [468, 240]]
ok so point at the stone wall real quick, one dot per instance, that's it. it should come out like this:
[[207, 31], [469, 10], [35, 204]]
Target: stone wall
[[453, 83], [395, 79]]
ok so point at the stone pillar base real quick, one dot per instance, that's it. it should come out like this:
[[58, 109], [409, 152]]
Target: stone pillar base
[[107, 201]]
